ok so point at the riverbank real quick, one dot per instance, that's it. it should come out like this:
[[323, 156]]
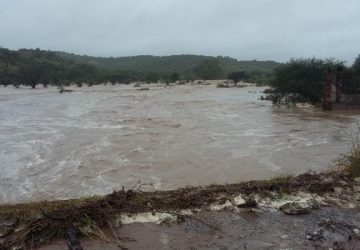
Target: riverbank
[[35, 224]]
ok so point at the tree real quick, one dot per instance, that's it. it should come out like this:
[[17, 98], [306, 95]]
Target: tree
[[304, 76], [174, 77], [6, 71], [356, 64], [120, 77], [31, 73], [81, 73], [209, 69], [151, 77], [38, 66], [236, 76]]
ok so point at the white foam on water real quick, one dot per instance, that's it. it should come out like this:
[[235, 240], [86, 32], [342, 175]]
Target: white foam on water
[[52, 145]]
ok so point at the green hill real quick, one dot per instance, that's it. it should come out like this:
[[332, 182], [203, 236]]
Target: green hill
[[183, 64], [31, 67]]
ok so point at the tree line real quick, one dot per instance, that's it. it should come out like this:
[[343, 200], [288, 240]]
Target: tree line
[[305, 76], [34, 66]]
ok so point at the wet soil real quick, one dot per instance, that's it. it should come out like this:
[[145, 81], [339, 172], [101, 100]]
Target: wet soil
[[332, 196], [225, 230]]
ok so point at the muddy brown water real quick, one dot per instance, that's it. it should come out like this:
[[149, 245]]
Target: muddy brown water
[[95, 140]]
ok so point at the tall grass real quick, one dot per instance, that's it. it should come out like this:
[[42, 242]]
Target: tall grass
[[354, 157]]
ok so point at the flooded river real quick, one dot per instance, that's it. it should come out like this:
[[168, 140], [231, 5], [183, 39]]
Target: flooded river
[[95, 140]]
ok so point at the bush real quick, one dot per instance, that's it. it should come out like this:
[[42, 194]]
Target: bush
[[354, 158], [236, 76], [304, 76], [351, 161]]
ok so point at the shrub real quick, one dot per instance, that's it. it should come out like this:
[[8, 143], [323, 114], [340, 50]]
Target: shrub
[[351, 161], [236, 76], [304, 76], [354, 158]]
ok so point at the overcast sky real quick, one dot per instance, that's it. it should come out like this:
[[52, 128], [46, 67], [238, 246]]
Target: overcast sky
[[244, 29]]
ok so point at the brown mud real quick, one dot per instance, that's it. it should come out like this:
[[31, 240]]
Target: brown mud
[[232, 230], [246, 211]]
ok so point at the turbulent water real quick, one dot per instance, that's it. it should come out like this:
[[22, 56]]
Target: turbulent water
[[96, 140]]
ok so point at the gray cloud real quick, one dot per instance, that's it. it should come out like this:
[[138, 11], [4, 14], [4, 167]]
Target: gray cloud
[[245, 29]]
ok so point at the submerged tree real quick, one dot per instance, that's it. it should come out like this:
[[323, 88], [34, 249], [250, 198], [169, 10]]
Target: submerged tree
[[7, 71], [236, 76], [174, 77], [151, 77], [31, 73]]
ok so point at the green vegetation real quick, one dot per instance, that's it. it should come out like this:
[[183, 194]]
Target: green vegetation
[[356, 65], [281, 179], [209, 69], [354, 168], [184, 65], [354, 158], [237, 76], [32, 67], [151, 77], [304, 76], [174, 77], [350, 162]]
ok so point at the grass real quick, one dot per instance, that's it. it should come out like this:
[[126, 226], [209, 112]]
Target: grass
[[354, 157], [354, 168], [281, 179], [351, 161]]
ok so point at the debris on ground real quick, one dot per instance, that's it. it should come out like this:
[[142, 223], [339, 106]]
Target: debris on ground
[[35, 224], [339, 234], [294, 208]]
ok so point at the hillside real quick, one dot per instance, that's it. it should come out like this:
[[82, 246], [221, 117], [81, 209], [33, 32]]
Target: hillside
[[183, 64], [171, 63], [31, 67]]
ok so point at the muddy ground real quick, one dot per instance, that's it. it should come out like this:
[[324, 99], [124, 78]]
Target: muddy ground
[[309, 211], [224, 230]]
